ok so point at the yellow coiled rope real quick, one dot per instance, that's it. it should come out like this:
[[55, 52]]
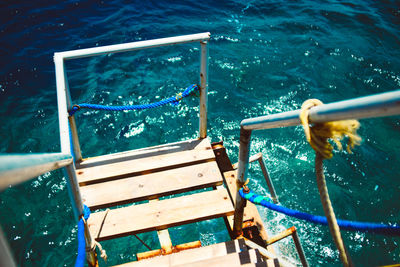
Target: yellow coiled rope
[[318, 135]]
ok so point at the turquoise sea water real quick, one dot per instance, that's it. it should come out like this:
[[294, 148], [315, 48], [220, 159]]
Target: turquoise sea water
[[265, 57]]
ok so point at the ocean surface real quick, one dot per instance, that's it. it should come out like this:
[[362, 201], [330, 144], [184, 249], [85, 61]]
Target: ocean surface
[[265, 57]]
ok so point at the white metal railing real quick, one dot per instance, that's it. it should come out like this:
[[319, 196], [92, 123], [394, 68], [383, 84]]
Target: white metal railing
[[18, 168], [64, 97], [67, 123], [380, 105]]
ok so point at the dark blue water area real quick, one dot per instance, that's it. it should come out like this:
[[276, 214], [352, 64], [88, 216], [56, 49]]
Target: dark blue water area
[[265, 57]]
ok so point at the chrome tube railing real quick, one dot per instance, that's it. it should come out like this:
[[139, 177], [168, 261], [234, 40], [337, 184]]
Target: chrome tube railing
[[18, 168], [63, 94], [6, 258], [380, 105], [67, 123]]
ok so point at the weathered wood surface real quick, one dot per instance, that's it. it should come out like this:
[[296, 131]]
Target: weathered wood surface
[[229, 260], [250, 211], [164, 238], [161, 214], [150, 186], [175, 249], [141, 161], [189, 256]]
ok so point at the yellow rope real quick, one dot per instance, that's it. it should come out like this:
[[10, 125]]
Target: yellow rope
[[240, 184], [103, 253], [319, 133], [318, 136]]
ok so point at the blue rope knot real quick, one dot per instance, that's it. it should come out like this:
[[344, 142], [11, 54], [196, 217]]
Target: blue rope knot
[[173, 100], [76, 107]]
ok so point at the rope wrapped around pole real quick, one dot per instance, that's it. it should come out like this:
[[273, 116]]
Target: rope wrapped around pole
[[80, 259], [318, 135]]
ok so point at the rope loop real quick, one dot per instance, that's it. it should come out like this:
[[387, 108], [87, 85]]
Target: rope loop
[[318, 134], [76, 107]]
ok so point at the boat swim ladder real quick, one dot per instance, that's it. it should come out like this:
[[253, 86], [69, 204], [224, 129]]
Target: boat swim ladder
[[15, 169], [380, 105], [67, 123]]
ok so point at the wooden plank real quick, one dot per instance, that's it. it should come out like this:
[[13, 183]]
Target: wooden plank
[[161, 214], [229, 260], [192, 144], [164, 238], [150, 186], [250, 211], [165, 241], [175, 249], [189, 256], [137, 162]]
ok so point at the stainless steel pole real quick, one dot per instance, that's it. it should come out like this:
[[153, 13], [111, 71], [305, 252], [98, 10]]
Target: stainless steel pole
[[203, 89], [18, 168], [6, 258], [245, 138], [72, 181], [268, 180], [299, 249], [380, 105], [72, 124], [101, 50]]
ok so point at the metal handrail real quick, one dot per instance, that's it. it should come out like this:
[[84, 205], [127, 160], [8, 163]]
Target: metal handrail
[[18, 168], [380, 105], [64, 96], [67, 123]]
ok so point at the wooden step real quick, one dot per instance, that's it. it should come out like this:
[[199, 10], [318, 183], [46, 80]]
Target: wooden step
[[161, 214], [188, 256], [229, 260], [143, 161], [231, 253], [151, 186]]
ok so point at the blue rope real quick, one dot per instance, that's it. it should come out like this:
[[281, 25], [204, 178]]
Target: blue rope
[[392, 230], [174, 100], [80, 259]]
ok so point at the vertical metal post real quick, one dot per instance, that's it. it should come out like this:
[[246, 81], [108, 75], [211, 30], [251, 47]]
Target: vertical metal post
[[244, 148], [72, 123], [72, 181], [75, 139], [268, 180], [299, 249], [73, 190], [77, 207], [62, 105], [6, 258], [203, 89]]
